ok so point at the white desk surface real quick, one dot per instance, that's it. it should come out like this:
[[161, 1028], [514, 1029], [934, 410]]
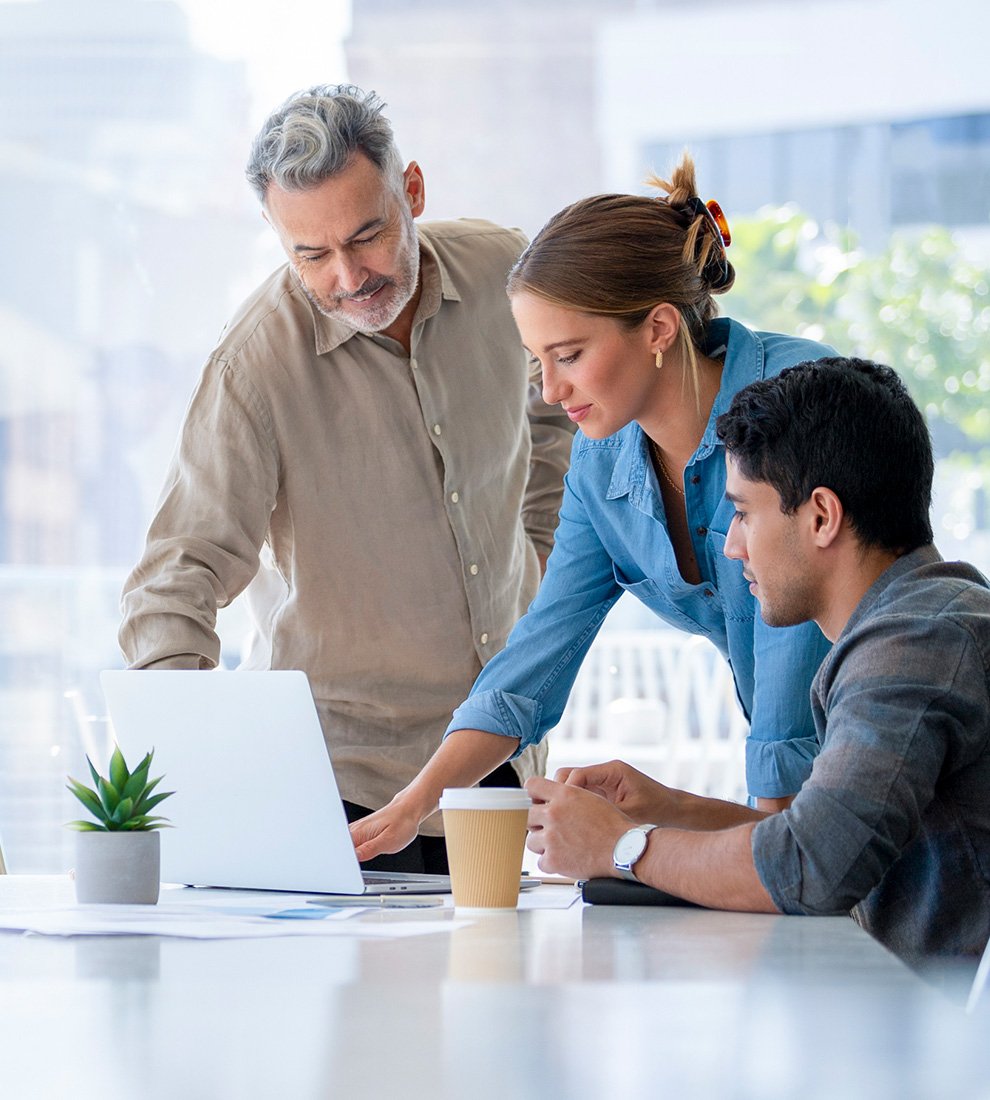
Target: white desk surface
[[586, 1002]]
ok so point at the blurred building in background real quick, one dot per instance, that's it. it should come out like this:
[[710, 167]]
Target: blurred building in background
[[873, 114], [496, 100]]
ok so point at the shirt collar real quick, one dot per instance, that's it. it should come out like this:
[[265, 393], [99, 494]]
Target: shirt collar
[[743, 361], [924, 555], [438, 285], [629, 472]]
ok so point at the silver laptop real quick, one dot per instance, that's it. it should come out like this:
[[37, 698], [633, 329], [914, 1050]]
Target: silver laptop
[[256, 804]]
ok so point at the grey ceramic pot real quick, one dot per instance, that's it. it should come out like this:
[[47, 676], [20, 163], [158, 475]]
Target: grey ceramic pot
[[120, 867]]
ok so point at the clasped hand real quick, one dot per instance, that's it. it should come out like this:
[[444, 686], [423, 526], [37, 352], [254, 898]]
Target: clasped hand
[[578, 816]]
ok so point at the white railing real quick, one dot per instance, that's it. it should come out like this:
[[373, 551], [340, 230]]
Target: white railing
[[665, 702]]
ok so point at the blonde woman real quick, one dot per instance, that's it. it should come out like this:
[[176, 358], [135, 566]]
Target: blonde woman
[[615, 298]]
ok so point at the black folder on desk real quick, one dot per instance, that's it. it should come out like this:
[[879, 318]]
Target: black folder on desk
[[617, 891]]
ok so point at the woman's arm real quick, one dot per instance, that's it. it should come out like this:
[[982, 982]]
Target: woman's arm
[[522, 691]]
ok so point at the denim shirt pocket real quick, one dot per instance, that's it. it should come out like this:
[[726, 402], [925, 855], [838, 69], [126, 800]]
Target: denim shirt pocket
[[653, 595], [738, 603]]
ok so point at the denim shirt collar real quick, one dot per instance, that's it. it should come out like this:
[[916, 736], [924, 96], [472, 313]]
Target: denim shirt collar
[[743, 362]]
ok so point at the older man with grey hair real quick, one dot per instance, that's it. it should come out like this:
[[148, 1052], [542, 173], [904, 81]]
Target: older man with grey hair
[[371, 426]]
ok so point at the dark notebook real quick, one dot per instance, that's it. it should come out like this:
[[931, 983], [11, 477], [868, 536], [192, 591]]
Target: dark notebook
[[617, 891]]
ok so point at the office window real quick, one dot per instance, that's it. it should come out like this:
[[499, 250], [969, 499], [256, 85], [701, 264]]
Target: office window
[[130, 236], [875, 176], [940, 170]]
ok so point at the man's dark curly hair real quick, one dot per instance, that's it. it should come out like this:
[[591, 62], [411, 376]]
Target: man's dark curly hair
[[849, 425]]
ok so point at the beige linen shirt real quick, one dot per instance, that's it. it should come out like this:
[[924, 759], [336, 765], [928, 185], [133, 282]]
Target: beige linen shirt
[[402, 498]]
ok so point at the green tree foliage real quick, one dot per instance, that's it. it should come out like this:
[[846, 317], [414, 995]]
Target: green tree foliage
[[920, 306]]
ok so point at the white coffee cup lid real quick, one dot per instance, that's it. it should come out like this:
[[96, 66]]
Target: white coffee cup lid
[[485, 798]]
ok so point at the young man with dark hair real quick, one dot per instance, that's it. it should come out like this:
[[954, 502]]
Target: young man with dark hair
[[830, 471]]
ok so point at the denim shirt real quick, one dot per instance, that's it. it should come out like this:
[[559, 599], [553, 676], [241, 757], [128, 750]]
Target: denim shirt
[[612, 538], [894, 823]]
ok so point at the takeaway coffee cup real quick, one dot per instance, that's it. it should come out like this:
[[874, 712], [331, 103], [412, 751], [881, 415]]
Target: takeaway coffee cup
[[485, 829]]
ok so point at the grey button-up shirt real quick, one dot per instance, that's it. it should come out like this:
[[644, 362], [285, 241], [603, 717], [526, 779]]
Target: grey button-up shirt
[[894, 823], [403, 499]]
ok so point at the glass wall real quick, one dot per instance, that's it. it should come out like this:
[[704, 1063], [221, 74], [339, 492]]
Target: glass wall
[[130, 236]]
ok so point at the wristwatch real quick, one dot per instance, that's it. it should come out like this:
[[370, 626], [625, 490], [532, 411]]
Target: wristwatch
[[629, 848]]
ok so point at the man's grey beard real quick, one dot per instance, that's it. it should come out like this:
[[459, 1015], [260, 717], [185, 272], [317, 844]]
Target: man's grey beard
[[403, 288]]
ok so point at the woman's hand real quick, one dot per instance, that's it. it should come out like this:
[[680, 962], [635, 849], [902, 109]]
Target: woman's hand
[[387, 830], [463, 759]]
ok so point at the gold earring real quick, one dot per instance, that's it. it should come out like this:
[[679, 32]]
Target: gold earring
[[659, 359]]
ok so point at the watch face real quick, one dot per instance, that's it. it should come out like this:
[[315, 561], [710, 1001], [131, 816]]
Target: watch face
[[630, 847]]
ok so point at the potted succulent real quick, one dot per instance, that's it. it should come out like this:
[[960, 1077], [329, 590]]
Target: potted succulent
[[118, 856]]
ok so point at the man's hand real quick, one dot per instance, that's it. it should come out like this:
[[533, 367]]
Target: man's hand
[[648, 802], [635, 794], [388, 830], [573, 831]]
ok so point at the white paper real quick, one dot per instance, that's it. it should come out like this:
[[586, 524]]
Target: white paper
[[210, 922], [210, 913], [549, 897]]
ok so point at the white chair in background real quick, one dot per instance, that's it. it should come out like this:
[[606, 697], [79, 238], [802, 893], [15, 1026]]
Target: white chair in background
[[662, 700], [711, 747]]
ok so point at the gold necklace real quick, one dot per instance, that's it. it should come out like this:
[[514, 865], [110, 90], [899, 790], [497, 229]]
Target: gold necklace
[[663, 469]]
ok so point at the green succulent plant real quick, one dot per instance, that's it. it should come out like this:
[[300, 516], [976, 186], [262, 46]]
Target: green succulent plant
[[121, 802]]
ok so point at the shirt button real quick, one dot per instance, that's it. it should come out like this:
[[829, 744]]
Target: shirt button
[[695, 479], [709, 592], [436, 429], [454, 497], [484, 639], [473, 570], [413, 364], [702, 530]]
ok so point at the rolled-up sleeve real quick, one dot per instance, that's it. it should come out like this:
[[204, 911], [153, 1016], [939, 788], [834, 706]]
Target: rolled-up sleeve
[[896, 698], [782, 743]]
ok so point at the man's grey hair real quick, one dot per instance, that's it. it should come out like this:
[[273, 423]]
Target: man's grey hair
[[314, 134]]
